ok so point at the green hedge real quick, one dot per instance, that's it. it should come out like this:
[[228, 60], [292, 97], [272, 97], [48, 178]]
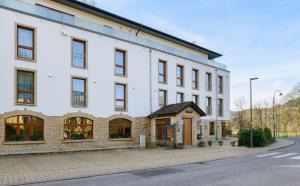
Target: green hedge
[[268, 133], [259, 138]]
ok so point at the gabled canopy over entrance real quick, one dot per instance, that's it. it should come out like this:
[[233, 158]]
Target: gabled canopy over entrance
[[175, 109]]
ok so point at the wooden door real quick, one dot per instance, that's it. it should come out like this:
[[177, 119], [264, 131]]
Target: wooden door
[[187, 132]]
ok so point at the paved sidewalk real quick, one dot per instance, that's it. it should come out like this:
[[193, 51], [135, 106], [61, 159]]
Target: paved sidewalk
[[39, 168]]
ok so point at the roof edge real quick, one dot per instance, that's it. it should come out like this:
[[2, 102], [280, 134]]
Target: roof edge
[[138, 26]]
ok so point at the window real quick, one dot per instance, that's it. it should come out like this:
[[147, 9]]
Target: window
[[119, 128], [180, 97], [196, 99], [120, 97], [162, 98], [25, 43], [24, 128], [162, 72], [211, 128], [78, 53], [208, 82], [79, 92], [120, 63], [180, 75], [220, 84], [220, 107], [78, 128], [161, 128], [208, 106], [195, 79], [25, 87]]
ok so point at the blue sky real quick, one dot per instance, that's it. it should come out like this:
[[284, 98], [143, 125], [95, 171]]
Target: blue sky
[[257, 37]]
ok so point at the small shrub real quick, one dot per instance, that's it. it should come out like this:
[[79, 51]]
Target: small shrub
[[259, 139], [268, 133]]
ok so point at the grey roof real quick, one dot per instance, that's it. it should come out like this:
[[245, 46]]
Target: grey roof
[[174, 109], [138, 26]]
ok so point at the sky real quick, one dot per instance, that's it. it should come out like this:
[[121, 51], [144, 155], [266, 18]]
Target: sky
[[258, 38]]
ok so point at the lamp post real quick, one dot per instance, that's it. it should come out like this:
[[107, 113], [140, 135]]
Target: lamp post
[[274, 122], [251, 124]]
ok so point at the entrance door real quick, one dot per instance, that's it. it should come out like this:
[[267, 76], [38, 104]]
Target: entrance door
[[187, 132]]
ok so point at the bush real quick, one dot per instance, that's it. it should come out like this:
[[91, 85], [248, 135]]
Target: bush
[[259, 139], [268, 133]]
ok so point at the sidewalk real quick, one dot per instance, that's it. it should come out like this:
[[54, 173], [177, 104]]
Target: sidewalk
[[39, 168]]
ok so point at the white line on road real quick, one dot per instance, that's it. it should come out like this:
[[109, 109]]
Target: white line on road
[[265, 155], [285, 155], [295, 158]]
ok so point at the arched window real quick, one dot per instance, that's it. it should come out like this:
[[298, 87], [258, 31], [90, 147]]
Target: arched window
[[24, 128], [120, 128], [78, 128]]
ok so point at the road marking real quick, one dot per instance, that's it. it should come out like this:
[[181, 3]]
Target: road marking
[[295, 158], [285, 155], [265, 155]]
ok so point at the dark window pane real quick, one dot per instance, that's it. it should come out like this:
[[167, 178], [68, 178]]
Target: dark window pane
[[25, 86], [119, 128], [25, 128]]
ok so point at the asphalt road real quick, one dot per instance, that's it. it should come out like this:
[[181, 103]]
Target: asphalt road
[[280, 167]]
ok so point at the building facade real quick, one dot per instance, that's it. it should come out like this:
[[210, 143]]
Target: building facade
[[76, 77]]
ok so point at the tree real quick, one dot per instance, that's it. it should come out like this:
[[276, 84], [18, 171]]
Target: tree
[[241, 107]]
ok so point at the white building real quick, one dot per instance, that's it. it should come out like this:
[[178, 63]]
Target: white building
[[77, 77]]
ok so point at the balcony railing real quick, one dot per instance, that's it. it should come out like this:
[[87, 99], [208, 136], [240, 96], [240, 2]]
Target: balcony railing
[[41, 12]]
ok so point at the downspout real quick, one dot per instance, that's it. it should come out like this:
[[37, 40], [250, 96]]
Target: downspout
[[216, 76], [150, 79]]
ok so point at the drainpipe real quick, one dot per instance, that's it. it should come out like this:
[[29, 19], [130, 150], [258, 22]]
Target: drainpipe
[[150, 79], [216, 76]]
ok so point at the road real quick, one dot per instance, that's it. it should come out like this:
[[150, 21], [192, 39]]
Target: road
[[280, 167]]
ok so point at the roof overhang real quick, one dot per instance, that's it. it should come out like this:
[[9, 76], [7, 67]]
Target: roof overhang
[[138, 26]]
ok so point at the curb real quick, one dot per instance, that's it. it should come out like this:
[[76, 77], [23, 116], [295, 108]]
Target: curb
[[283, 147]]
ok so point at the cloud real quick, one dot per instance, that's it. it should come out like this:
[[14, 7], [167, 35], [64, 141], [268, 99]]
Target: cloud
[[113, 5]]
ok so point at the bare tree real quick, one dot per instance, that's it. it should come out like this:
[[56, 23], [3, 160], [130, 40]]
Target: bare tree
[[259, 113], [241, 107]]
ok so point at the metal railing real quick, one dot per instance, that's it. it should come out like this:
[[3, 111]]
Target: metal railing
[[41, 12]]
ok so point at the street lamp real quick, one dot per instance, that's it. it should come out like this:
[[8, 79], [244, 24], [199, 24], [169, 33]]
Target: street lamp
[[274, 127], [251, 124]]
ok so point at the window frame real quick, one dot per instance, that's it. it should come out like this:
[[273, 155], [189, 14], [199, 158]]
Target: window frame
[[181, 78], [33, 103], [220, 84], [165, 97], [85, 59], [208, 81], [122, 127], [181, 95], [85, 93], [220, 106], [165, 74], [18, 128], [211, 128], [208, 105], [125, 100], [125, 66], [17, 46], [196, 81], [74, 125]]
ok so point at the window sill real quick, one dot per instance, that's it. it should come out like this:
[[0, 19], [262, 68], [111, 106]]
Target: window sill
[[121, 139], [26, 104], [23, 142], [25, 59], [78, 141]]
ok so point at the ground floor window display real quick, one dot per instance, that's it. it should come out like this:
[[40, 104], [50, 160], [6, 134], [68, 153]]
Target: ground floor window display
[[119, 128], [24, 128], [78, 128]]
